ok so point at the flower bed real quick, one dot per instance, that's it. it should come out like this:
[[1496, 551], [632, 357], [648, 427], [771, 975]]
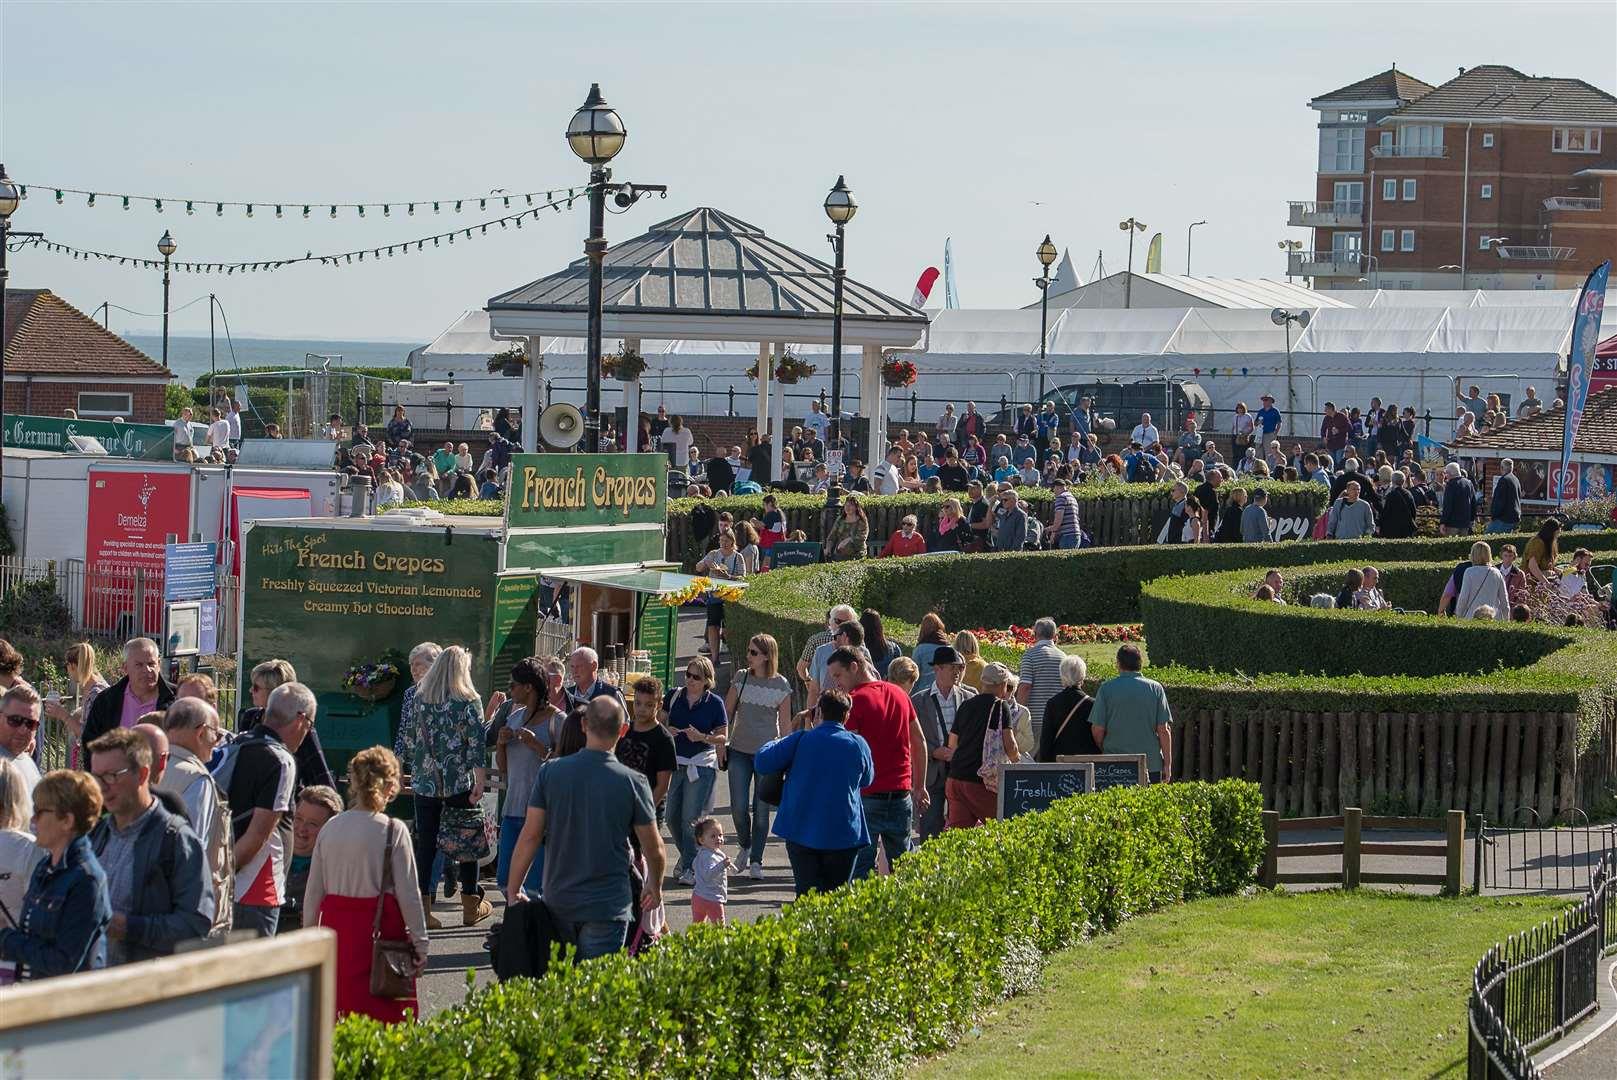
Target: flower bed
[[1021, 637]]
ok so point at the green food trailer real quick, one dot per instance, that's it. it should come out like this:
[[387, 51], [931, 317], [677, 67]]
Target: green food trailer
[[334, 594]]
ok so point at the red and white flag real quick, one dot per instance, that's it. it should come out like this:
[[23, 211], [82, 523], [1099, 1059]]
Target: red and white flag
[[923, 286]]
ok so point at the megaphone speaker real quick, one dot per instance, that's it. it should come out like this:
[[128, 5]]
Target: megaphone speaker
[[561, 426]]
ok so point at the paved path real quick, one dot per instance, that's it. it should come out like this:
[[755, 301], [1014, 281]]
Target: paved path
[[1596, 1060]]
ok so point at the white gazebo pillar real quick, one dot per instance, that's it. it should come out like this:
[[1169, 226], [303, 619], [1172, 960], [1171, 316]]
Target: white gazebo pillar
[[872, 395], [765, 371], [631, 405], [778, 432], [533, 377]]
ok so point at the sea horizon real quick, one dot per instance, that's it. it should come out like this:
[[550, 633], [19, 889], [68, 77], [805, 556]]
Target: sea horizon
[[189, 356]]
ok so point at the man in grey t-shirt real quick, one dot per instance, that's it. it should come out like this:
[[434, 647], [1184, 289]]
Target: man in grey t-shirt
[[583, 808]]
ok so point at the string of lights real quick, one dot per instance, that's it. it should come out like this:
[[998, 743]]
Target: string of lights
[[307, 209]]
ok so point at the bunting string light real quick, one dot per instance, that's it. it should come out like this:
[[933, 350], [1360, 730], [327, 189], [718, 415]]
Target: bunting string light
[[307, 209], [341, 258]]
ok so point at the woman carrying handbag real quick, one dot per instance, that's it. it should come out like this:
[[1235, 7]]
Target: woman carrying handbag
[[362, 884]]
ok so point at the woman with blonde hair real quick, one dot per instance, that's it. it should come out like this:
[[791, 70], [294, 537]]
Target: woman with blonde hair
[[361, 885], [759, 704], [443, 735], [87, 683], [965, 643], [18, 852], [904, 674], [1482, 586]]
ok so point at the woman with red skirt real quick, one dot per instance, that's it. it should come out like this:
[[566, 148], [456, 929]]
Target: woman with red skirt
[[364, 859]]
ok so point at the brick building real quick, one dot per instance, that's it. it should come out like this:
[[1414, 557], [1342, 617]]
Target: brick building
[[1493, 180], [59, 358]]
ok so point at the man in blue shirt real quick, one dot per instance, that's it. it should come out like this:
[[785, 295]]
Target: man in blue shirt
[[1268, 417], [1131, 716], [585, 666]]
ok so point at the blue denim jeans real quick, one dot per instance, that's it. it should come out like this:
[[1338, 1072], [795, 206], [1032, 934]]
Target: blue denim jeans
[[751, 813], [688, 800], [1497, 526], [1065, 541], [510, 830], [596, 938], [889, 823]]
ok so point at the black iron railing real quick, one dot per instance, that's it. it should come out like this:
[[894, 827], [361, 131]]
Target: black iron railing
[[1530, 989]]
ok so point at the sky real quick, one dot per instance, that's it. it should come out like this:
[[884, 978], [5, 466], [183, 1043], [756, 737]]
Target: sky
[[992, 124]]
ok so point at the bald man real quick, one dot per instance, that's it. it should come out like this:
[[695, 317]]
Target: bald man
[[150, 729]]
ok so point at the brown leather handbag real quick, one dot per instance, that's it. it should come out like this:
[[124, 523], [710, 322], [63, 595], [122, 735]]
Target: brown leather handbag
[[392, 961]]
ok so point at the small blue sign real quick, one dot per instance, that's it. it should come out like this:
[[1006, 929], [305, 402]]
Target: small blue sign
[[188, 571]]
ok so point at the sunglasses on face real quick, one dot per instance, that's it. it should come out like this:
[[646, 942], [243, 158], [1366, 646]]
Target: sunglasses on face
[[22, 721], [697, 675]]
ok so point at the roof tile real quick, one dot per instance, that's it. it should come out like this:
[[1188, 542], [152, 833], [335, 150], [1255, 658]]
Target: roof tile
[[45, 335], [1597, 432], [1494, 91], [1391, 84]]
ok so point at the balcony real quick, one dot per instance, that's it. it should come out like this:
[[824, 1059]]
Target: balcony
[[1410, 151], [1327, 214], [1535, 253], [1322, 264], [1572, 202]]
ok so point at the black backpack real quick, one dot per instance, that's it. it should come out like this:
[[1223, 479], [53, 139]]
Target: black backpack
[[520, 945]]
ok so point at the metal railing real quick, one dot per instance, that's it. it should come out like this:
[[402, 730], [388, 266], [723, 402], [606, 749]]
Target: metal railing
[[1530, 989], [1347, 212], [1323, 263], [1535, 252], [116, 602], [1572, 202], [1408, 151]]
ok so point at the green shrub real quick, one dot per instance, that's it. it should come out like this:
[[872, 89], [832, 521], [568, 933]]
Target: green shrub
[[852, 981], [35, 609]]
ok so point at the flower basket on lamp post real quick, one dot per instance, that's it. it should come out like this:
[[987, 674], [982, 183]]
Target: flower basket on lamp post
[[512, 363], [897, 373]]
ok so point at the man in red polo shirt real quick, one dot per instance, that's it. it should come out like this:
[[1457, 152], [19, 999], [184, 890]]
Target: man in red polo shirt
[[884, 717]]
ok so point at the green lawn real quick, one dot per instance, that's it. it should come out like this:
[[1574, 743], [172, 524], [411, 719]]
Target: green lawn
[[1273, 985]]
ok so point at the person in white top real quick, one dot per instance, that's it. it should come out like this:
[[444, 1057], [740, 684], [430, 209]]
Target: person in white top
[[887, 478], [218, 436], [1145, 432], [946, 422], [680, 439], [233, 419], [183, 450], [816, 421], [1482, 586], [18, 853]]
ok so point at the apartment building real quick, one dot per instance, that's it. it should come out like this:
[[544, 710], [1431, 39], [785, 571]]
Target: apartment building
[[1493, 180]]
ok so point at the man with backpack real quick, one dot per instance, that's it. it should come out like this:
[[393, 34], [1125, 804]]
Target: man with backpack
[[157, 879], [192, 727]]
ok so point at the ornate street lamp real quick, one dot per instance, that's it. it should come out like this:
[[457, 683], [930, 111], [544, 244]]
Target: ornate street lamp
[[840, 207], [1047, 256], [595, 134], [166, 247]]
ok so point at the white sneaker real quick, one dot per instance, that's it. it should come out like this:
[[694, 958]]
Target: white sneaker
[[688, 878], [756, 871], [703, 649]]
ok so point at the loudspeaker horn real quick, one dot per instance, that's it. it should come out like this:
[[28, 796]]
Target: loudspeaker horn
[[561, 426]]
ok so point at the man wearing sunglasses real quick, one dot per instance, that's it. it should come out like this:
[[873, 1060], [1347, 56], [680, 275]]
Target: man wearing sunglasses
[[157, 877], [20, 709]]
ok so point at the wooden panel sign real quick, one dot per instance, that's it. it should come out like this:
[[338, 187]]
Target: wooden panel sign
[[1112, 770], [1028, 787], [794, 553]]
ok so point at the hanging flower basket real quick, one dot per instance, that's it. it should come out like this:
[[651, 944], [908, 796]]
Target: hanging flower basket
[[625, 365], [789, 370], [512, 362], [898, 373], [375, 681]]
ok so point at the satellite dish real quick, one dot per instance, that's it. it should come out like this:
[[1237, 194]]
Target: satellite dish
[[1278, 316], [1304, 317], [561, 426]]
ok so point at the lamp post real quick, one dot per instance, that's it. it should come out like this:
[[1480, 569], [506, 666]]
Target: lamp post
[[595, 134], [840, 207], [166, 247], [1290, 247], [9, 198], [1282, 317], [1131, 227], [1189, 234], [1047, 254]]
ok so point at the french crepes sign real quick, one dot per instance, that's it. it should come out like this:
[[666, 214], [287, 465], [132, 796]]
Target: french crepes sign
[[555, 490]]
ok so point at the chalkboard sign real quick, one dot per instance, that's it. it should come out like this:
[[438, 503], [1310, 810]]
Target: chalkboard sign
[[794, 554], [1112, 770], [1028, 787]]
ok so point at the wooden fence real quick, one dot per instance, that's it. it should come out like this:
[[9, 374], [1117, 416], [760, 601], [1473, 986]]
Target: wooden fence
[[1315, 764], [1352, 848]]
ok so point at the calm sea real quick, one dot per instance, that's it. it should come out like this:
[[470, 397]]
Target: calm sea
[[188, 356]]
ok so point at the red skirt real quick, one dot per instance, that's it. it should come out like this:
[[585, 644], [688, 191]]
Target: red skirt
[[351, 918]]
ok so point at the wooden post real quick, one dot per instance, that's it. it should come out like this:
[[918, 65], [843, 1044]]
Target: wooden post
[[1352, 822], [1453, 852], [1271, 841]]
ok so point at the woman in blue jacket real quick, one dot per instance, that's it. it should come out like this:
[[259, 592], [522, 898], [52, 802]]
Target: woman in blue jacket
[[822, 817], [64, 917]]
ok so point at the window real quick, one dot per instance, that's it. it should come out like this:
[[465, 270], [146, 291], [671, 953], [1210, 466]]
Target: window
[[1353, 117], [1386, 138], [1344, 243], [1341, 150], [1575, 141], [1486, 240], [106, 405], [1487, 140], [1349, 196], [1406, 240], [1386, 240], [1425, 136], [1389, 189], [1409, 190], [1487, 191]]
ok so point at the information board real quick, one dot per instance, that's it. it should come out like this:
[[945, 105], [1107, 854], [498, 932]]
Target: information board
[[516, 623], [1112, 770], [188, 571], [657, 626], [129, 518], [794, 553], [1028, 787], [553, 490]]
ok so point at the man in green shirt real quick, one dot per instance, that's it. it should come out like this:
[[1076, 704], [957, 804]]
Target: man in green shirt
[[1131, 716]]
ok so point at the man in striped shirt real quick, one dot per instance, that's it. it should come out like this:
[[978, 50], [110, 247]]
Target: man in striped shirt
[[1040, 671], [1062, 532]]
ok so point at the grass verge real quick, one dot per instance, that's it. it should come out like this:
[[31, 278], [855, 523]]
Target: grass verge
[[1323, 983]]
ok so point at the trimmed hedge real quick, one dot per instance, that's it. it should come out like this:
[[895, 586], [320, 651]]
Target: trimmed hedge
[[1096, 585], [852, 981]]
